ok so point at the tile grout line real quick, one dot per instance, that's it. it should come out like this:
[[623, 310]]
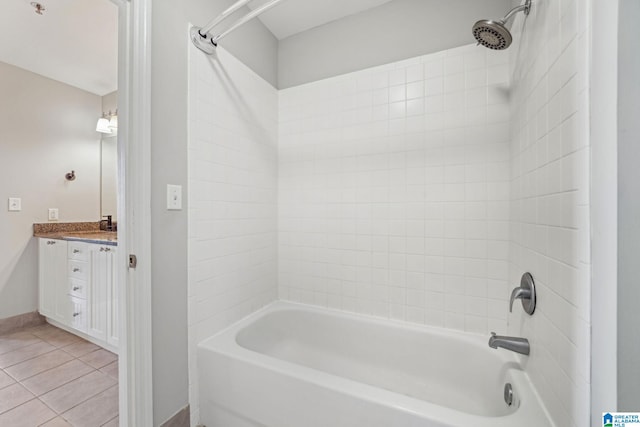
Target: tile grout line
[[73, 358], [91, 372], [84, 401], [54, 367], [104, 424], [30, 358]]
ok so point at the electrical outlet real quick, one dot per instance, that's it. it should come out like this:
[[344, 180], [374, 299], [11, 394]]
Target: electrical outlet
[[53, 214], [15, 204]]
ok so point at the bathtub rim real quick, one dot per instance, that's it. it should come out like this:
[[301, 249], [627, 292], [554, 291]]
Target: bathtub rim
[[225, 343]]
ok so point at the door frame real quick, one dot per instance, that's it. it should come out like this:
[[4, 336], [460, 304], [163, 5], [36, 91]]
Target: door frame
[[134, 212], [604, 206]]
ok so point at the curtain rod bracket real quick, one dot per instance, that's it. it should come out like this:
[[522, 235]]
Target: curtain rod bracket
[[204, 42], [207, 43]]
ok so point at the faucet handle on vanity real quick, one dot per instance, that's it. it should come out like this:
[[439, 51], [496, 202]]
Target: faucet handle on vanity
[[526, 292]]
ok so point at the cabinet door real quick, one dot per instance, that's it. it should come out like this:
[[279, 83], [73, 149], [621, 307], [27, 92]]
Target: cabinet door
[[52, 279], [113, 314], [98, 292]]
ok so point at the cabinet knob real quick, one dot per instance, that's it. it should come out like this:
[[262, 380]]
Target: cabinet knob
[[51, 242], [76, 314], [76, 269], [75, 288], [76, 251], [101, 249], [107, 249]]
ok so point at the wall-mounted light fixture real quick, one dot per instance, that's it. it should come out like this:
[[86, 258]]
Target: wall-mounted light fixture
[[108, 123]]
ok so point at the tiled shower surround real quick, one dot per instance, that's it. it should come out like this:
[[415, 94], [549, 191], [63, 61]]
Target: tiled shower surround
[[232, 197], [417, 191], [550, 209], [394, 191]]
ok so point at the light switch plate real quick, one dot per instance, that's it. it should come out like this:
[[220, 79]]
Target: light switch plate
[[15, 204], [174, 197], [53, 214]]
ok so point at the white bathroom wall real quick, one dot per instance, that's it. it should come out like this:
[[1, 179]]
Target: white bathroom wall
[[47, 128], [394, 191], [393, 31], [233, 163], [550, 201], [256, 47]]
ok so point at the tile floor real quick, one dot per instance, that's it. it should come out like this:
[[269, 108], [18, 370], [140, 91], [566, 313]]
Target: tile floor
[[51, 378]]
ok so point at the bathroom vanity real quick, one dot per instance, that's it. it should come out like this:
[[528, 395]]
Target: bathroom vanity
[[77, 281]]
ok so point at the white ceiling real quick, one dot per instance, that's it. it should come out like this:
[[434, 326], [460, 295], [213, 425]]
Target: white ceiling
[[75, 41], [295, 16]]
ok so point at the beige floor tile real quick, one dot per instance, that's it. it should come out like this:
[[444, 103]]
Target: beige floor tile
[[16, 340], [41, 329], [12, 396], [80, 348], [95, 411], [5, 380], [54, 378], [30, 414], [25, 353], [57, 422], [77, 391], [59, 338], [99, 358], [34, 366], [111, 369], [113, 423]]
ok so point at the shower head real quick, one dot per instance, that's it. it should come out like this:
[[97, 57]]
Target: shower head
[[492, 34], [495, 34]]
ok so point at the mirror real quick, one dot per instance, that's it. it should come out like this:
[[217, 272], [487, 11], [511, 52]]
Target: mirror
[[109, 176], [109, 163]]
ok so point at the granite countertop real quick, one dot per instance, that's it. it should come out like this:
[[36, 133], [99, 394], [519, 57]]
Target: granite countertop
[[88, 232]]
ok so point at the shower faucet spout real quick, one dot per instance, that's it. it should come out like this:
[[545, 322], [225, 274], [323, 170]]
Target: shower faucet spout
[[517, 344]]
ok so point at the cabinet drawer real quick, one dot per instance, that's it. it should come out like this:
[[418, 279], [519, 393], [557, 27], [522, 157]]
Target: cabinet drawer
[[78, 288], [78, 251], [78, 315], [78, 270]]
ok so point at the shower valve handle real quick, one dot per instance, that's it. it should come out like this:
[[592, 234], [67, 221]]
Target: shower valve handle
[[526, 292]]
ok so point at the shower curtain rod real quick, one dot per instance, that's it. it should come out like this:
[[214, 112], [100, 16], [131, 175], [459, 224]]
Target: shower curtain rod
[[208, 43]]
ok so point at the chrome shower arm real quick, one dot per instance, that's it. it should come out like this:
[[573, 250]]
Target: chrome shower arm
[[522, 8]]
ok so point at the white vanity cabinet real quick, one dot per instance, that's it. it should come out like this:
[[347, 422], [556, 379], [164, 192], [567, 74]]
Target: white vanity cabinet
[[103, 298], [52, 279], [78, 289]]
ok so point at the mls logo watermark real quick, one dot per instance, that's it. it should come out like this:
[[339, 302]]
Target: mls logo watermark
[[620, 419]]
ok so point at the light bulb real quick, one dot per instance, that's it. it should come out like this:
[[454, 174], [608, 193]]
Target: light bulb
[[103, 126]]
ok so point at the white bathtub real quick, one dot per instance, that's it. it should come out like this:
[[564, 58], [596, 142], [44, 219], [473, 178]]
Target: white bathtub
[[291, 365]]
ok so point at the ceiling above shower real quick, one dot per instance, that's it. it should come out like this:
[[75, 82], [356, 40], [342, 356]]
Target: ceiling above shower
[[295, 16], [72, 41]]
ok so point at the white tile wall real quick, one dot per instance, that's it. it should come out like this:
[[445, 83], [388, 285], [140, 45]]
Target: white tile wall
[[394, 191], [232, 197], [550, 201]]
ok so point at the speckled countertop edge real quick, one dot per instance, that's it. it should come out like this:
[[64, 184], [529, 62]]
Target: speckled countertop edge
[[72, 227], [88, 232]]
